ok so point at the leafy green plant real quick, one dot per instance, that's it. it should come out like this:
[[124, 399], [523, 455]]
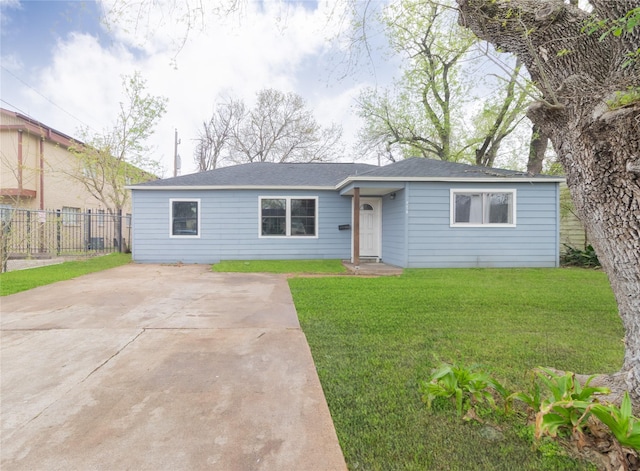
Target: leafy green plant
[[580, 258], [532, 399], [568, 408], [461, 384], [565, 387], [620, 420]]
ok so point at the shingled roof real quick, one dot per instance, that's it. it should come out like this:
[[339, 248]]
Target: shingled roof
[[418, 167], [331, 175], [265, 174]]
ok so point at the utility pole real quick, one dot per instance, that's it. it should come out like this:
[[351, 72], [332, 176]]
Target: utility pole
[[176, 157]]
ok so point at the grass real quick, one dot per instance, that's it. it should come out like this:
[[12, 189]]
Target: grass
[[373, 339], [281, 266], [22, 280]]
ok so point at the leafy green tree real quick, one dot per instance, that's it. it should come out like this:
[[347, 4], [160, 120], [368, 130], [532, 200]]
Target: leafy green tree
[[427, 114], [119, 156]]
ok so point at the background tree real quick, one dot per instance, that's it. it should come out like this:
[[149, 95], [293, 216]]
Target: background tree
[[216, 134], [589, 107], [108, 161], [429, 114], [279, 128]]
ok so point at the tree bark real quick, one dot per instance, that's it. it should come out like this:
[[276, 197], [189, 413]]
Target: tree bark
[[537, 149], [598, 145]]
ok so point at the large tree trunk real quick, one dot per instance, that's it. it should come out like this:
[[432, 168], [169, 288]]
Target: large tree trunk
[[599, 148], [537, 150]]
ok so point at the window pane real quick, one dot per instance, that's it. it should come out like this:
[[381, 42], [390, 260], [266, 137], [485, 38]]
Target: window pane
[[100, 217], [303, 217], [70, 216], [468, 208], [462, 208], [483, 208], [274, 217], [499, 208], [185, 218]]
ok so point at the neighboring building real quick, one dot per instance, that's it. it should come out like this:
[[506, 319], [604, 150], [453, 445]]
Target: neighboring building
[[36, 166], [44, 209], [412, 213]]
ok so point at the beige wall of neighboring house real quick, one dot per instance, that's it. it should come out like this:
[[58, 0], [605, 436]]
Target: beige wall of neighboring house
[[572, 232], [35, 168]]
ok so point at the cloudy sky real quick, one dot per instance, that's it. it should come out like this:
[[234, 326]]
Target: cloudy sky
[[62, 61]]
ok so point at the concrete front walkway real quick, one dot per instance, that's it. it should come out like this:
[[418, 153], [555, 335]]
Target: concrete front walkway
[[161, 368]]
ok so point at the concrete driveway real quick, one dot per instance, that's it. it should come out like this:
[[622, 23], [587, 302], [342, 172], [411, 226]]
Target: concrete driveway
[[161, 368]]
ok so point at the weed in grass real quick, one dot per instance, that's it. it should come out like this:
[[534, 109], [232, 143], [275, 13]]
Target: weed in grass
[[464, 385]]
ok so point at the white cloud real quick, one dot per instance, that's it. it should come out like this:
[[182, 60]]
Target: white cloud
[[85, 79], [272, 44]]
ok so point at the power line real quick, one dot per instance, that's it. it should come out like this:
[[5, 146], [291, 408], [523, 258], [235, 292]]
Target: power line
[[43, 96]]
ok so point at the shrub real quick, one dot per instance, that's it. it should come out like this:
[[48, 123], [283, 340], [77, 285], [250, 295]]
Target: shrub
[[575, 257]]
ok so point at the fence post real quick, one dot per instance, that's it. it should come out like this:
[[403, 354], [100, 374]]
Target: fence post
[[87, 242], [28, 233], [119, 229], [58, 232]]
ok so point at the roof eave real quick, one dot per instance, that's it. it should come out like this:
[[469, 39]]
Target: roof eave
[[229, 187], [349, 180], [451, 179]]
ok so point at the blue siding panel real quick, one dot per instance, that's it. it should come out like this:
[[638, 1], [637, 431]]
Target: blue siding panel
[[416, 229], [229, 228], [434, 243], [394, 222]]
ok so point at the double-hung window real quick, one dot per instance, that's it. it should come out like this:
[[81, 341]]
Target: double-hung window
[[70, 216], [480, 208], [288, 216], [185, 217]]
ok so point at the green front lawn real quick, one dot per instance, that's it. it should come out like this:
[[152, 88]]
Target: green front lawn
[[281, 266], [373, 339], [22, 280]]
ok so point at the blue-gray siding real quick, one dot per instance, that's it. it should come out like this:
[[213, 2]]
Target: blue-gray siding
[[432, 242], [416, 229], [229, 228], [394, 229]]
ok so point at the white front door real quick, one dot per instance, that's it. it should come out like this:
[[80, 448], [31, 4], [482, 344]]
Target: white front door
[[370, 227]]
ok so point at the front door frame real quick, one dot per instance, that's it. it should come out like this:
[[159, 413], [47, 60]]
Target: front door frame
[[376, 202]]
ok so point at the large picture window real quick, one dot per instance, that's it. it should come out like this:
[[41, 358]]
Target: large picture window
[[288, 217], [185, 218], [483, 208]]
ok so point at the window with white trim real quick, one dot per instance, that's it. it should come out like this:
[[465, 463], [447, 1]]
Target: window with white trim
[[70, 216], [288, 216], [185, 217], [475, 208], [100, 217]]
